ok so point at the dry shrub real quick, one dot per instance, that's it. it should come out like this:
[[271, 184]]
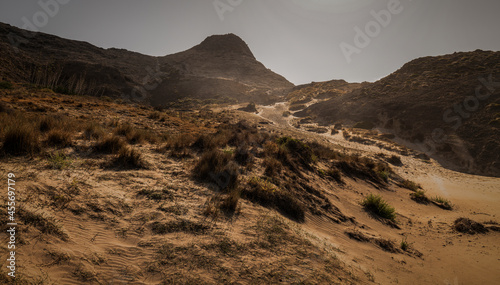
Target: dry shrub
[[134, 135], [21, 139], [59, 138], [229, 204], [48, 123], [272, 166], [420, 197], [467, 226], [124, 130], [215, 167], [243, 156], [366, 168], [129, 158], [179, 145], [267, 194], [110, 145], [93, 131], [335, 174], [408, 184]]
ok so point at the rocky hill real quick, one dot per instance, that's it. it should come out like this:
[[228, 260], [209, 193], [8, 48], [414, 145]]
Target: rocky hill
[[221, 67], [448, 106]]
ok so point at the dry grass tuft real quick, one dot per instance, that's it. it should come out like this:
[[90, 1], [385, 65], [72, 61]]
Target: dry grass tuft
[[129, 158], [110, 145], [420, 197], [265, 193], [59, 138], [217, 168], [21, 139]]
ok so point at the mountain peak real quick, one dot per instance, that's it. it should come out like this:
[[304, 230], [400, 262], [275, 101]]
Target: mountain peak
[[225, 43]]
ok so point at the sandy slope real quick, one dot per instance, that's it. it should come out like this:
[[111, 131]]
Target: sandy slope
[[448, 257]]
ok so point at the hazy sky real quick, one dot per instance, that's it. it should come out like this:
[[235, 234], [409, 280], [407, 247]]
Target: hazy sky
[[302, 40]]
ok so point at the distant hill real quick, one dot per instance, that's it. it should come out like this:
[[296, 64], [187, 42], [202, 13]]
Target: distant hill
[[432, 102], [221, 67]]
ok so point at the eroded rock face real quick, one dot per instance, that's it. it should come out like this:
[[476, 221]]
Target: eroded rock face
[[448, 105]]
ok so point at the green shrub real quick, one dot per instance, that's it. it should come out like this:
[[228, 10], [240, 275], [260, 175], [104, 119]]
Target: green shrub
[[442, 202], [404, 244], [420, 197], [376, 205], [59, 161]]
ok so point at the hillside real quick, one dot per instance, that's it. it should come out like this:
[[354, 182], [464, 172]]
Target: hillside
[[221, 68], [431, 104], [114, 193]]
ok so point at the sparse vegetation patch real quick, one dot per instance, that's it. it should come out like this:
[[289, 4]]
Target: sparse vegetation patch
[[376, 205]]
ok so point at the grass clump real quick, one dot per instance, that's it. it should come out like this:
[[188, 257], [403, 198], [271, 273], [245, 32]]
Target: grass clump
[[297, 148], [272, 166], [442, 203], [59, 138], [129, 158], [404, 244], [179, 145], [408, 184], [376, 205], [365, 168], [216, 167], [93, 131], [21, 140], [419, 197], [227, 204], [47, 123], [265, 193], [110, 145], [59, 161]]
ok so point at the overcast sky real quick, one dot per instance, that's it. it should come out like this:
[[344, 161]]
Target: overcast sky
[[303, 40]]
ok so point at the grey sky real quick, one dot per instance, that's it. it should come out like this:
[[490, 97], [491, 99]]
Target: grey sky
[[298, 39]]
